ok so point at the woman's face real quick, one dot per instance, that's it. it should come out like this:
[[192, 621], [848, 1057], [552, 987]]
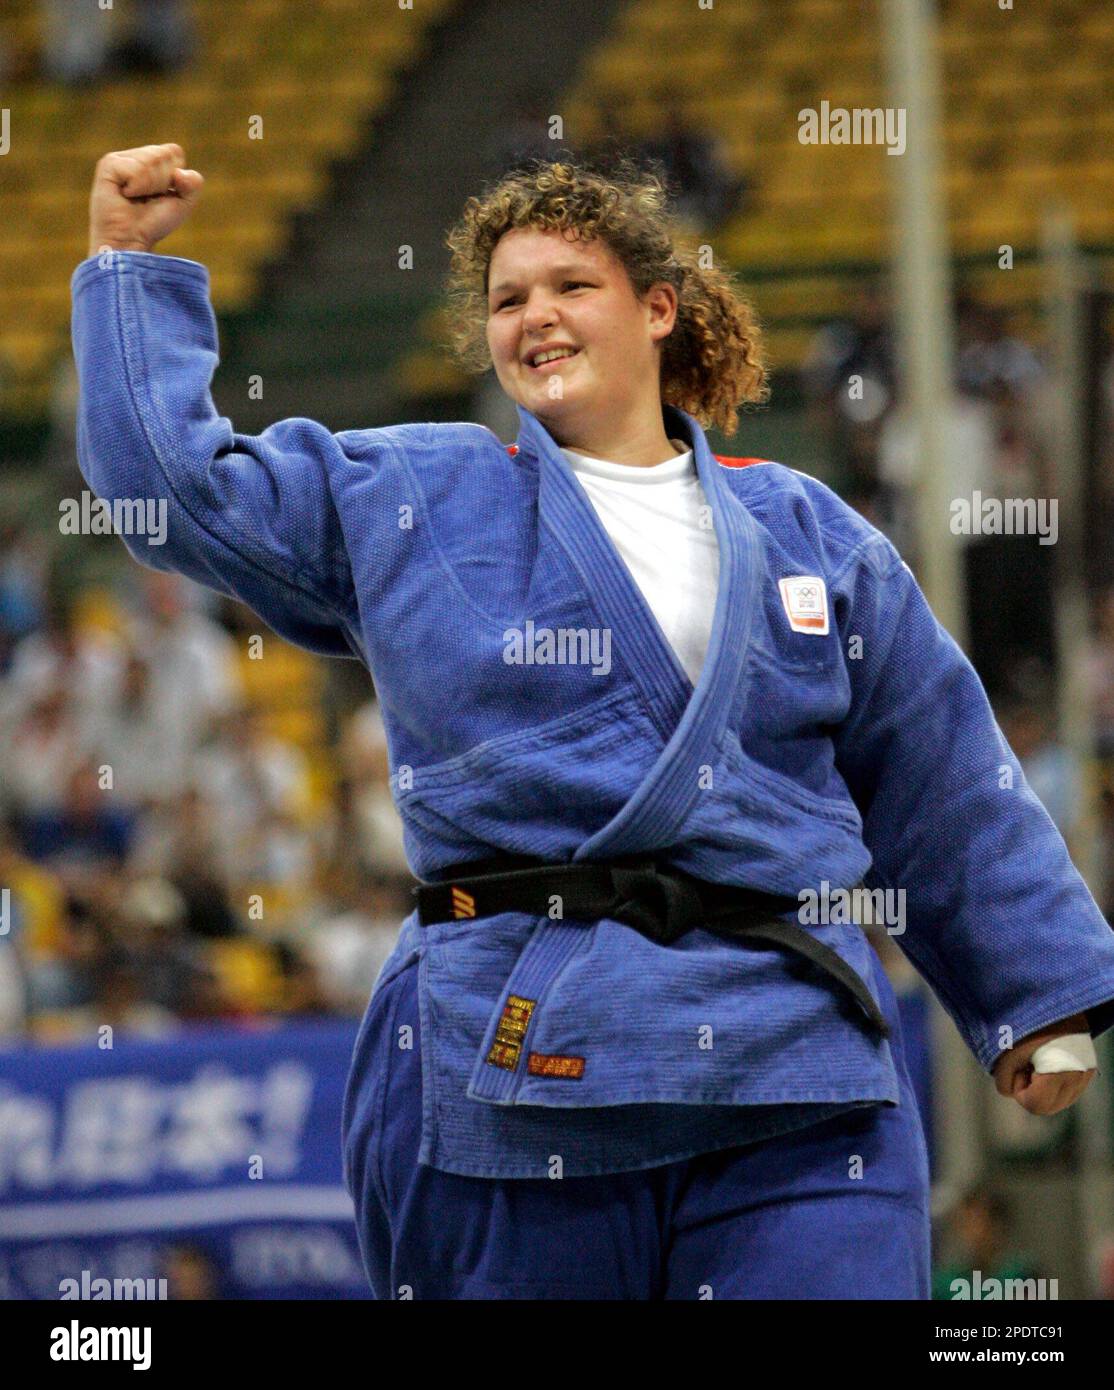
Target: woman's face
[[546, 289]]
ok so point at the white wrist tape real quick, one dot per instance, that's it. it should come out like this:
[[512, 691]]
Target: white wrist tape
[[1072, 1052]]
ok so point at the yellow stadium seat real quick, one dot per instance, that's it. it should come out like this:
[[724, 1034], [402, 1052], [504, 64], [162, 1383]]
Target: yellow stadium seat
[[313, 73], [248, 973]]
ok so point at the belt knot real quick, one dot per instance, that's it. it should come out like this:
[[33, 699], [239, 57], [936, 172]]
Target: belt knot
[[658, 902]]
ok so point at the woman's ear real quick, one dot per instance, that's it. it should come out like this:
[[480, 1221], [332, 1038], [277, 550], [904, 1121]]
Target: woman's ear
[[661, 299]]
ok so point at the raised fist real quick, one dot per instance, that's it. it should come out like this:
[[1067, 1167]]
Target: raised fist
[[140, 196]]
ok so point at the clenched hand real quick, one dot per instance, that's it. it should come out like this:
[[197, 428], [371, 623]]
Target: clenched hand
[[140, 196]]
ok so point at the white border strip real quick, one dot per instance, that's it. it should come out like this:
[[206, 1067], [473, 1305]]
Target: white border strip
[[218, 1206]]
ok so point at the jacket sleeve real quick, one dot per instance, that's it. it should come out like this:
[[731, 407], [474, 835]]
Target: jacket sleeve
[[997, 918], [252, 516]]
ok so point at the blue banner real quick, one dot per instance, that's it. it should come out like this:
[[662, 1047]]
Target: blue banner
[[219, 1144], [216, 1150]]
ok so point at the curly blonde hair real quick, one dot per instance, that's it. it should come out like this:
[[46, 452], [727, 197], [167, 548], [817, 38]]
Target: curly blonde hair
[[712, 360]]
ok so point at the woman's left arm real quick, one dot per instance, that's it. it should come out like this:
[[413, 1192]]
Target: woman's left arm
[[997, 918]]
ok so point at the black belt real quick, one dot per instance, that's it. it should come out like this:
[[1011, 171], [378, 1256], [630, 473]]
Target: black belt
[[661, 902]]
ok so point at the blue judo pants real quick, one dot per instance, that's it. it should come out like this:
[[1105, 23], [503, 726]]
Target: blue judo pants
[[780, 1218]]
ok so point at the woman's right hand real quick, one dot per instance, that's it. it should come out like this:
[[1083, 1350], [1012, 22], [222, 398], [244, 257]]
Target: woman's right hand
[[140, 196]]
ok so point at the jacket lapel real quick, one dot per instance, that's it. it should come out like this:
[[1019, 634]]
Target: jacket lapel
[[691, 721]]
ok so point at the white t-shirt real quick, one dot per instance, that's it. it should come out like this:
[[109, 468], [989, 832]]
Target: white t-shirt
[[660, 523]]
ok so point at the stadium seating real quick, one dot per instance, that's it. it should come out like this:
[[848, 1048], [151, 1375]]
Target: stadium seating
[[814, 217], [314, 73], [1028, 121]]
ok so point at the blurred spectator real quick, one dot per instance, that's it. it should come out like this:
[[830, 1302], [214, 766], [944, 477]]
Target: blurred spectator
[[209, 911], [1049, 768], [982, 1240], [190, 1273], [338, 856], [210, 1001], [1105, 1262], [259, 789], [35, 906], [849, 377], [15, 997], [367, 809], [1019, 461], [350, 948], [85, 831], [1008, 577], [61, 654], [302, 992], [65, 978], [989, 359], [525, 137], [130, 733], [76, 40], [59, 456], [84, 42], [862, 345], [193, 672], [1104, 848], [181, 842], [153, 931], [161, 39], [40, 753], [994, 448], [1104, 470], [697, 163], [1100, 675], [119, 1002], [279, 850], [23, 563], [969, 440], [14, 991]]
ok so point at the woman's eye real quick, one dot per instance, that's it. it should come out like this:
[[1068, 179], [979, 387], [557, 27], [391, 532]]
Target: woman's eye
[[569, 284]]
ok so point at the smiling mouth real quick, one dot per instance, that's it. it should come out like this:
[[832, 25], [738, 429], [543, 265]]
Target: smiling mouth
[[553, 362]]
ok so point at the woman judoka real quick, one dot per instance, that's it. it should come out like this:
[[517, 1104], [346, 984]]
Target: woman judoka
[[642, 703]]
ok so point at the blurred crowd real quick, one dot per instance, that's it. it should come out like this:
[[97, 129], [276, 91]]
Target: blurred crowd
[[166, 855], [83, 42], [1001, 443], [706, 189], [978, 1243]]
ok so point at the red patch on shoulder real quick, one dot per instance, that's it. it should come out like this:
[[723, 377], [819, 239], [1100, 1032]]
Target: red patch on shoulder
[[512, 449]]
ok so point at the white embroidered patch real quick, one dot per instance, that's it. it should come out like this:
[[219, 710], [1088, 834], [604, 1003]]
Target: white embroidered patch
[[806, 603]]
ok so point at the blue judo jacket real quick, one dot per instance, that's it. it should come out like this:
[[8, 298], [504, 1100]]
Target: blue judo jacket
[[856, 743]]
